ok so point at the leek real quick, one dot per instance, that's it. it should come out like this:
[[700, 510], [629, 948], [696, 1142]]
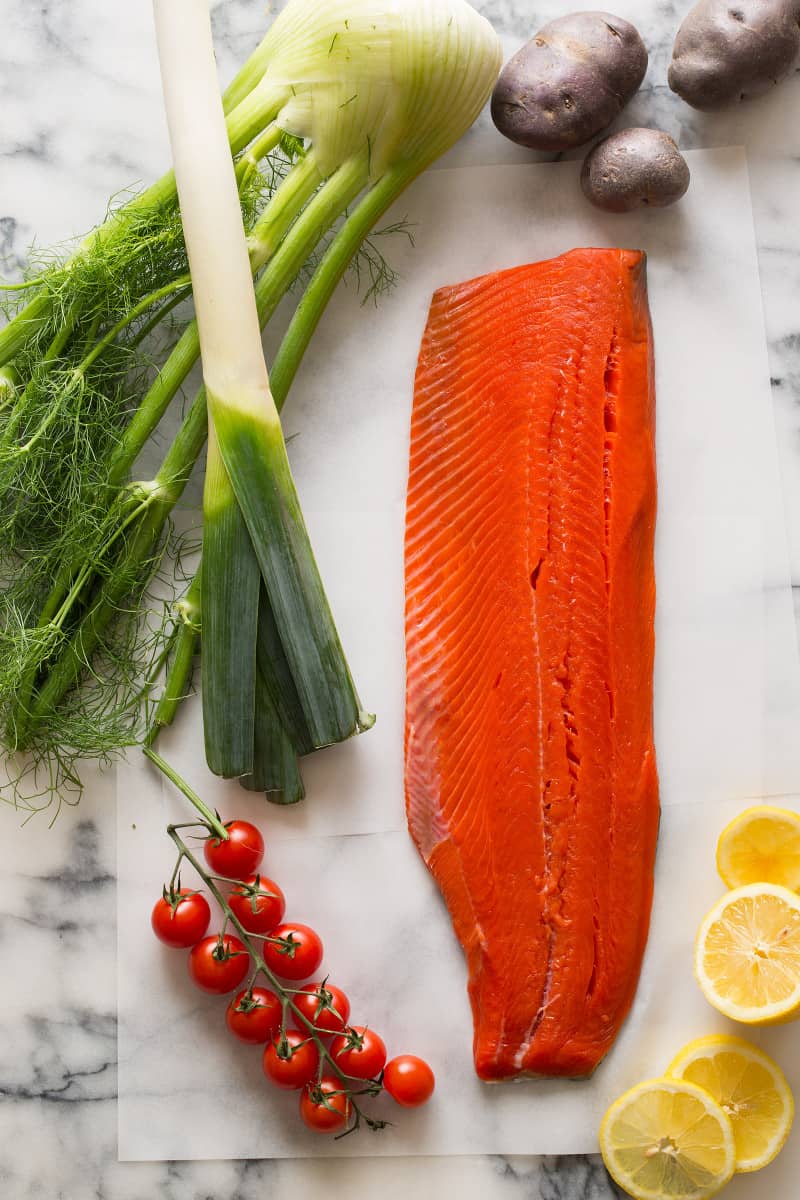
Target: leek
[[384, 120]]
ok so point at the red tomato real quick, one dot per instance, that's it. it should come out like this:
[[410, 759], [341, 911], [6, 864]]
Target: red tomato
[[219, 964], [258, 904], [298, 1063], [254, 1015], [359, 1052], [293, 951], [408, 1080], [239, 856], [327, 1115], [325, 1006], [180, 918]]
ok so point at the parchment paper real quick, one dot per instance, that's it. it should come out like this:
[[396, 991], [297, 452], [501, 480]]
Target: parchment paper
[[727, 705]]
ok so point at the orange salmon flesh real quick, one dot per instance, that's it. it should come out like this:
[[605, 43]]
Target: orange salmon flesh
[[531, 784]]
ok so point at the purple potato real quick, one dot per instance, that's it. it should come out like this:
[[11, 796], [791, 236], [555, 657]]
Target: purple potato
[[731, 50], [636, 168], [569, 82]]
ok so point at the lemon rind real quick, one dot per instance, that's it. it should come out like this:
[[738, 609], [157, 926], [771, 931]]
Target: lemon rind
[[770, 1014], [693, 1050], [665, 1083], [751, 813]]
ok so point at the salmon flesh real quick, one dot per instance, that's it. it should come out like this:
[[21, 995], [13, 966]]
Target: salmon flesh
[[531, 785]]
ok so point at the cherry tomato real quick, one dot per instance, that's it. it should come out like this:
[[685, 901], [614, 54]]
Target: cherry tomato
[[295, 954], [408, 1080], [299, 1067], [180, 918], [327, 1115], [325, 1006], [219, 964], [258, 903], [239, 856], [359, 1052], [254, 1015]]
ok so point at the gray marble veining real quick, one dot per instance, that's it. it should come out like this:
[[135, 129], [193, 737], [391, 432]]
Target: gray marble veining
[[80, 118]]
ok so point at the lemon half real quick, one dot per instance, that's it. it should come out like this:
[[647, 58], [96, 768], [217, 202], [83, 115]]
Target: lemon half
[[747, 954], [761, 845], [668, 1140], [748, 1086]]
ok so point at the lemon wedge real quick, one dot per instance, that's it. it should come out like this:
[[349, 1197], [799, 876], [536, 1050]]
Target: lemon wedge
[[747, 954], [748, 1086], [761, 845], [668, 1140]]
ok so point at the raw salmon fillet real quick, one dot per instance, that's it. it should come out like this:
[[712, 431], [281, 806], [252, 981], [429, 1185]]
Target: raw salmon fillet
[[531, 784]]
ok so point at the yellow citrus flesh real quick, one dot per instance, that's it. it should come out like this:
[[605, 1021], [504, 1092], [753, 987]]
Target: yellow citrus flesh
[[748, 1086], [761, 845], [747, 954], [668, 1140]]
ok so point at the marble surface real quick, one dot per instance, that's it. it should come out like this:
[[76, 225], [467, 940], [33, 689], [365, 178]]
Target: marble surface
[[79, 119]]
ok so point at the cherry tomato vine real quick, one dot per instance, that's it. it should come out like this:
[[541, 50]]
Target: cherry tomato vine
[[331, 1062], [333, 1074]]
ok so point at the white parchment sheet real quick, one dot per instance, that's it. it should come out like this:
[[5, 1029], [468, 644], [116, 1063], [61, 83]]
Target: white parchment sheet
[[727, 688]]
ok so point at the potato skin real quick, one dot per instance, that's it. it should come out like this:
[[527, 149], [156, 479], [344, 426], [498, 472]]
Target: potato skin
[[569, 82], [731, 50], [636, 168]]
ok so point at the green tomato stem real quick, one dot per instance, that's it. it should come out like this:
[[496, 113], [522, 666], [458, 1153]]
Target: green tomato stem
[[176, 873], [208, 816]]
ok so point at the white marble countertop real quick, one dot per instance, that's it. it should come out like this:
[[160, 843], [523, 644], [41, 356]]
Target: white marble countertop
[[80, 118]]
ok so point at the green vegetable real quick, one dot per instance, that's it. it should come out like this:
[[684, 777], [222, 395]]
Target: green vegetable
[[251, 514], [374, 94]]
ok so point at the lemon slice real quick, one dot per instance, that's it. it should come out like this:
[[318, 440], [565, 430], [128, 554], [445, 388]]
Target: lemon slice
[[668, 1140], [747, 954], [748, 1086], [761, 845]]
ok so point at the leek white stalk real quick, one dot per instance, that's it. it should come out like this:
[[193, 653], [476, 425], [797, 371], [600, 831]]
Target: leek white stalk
[[245, 421], [233, 365], [376, 90], [230, 339]]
